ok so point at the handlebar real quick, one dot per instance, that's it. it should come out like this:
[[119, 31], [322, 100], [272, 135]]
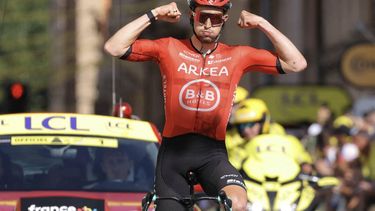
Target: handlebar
[[188, 202], [326, 181]]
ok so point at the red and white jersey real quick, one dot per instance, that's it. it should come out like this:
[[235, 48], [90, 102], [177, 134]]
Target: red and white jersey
[[199, 90]]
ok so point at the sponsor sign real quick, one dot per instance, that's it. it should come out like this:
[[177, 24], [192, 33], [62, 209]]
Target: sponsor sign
[[64, 140], [61, 204], [296, 104], [358, 65], [75, 124], [199, 95]]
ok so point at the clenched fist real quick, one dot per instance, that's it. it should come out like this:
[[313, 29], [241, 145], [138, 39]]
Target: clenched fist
[[169, 13], [249, 20]]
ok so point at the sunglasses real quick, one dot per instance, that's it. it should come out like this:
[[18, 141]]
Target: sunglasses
[[241, 127], [216, 19]]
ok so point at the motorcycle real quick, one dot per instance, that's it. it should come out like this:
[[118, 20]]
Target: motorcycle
[[276, 183]]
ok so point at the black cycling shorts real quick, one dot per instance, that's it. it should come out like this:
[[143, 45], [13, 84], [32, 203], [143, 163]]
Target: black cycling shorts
[[205, 156]]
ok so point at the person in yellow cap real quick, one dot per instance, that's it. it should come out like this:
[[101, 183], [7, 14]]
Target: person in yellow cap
[[241, 94], [341, 141], [276, 128], [232, 138], [252, 119], [266, 149]]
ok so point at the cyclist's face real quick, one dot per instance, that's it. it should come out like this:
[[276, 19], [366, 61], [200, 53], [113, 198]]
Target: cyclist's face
[[208, 23]]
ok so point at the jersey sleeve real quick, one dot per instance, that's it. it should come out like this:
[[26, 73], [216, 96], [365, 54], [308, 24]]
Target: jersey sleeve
[[143, 50], [261, 60]]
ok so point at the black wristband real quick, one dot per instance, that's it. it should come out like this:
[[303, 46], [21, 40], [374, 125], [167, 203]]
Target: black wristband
[[151, 16]]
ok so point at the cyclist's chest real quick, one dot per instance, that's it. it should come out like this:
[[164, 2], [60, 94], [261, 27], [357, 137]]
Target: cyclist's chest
[[186, 66]]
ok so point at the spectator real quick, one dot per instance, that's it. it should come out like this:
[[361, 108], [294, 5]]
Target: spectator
[[367, 160], [318, 132], [345, 150], [369, 118]]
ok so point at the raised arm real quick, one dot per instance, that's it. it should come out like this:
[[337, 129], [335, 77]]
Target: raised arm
[[120, 42], [291, 58]]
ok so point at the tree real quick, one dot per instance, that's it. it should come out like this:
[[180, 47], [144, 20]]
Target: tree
[[25, 45]]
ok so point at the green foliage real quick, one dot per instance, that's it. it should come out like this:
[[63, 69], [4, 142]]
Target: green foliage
[[25, 44]]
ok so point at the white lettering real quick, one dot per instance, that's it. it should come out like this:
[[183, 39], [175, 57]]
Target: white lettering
[[224, 71], [207, 71], [192, 69], [213, 71], [165, 89], [190, 94], [33, 207], [182, 67], [184, 56], [192, 54], [210, 95], [219, 61], [204, 101]]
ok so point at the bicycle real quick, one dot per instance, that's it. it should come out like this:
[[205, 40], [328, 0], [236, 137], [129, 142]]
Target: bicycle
[[189, 202]]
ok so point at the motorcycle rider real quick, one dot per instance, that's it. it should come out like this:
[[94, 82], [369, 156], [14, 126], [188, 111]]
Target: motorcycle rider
[[252, 119], [268, 154], [232, 138]]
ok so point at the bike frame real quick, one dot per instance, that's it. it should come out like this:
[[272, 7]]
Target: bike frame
[[188, 202]]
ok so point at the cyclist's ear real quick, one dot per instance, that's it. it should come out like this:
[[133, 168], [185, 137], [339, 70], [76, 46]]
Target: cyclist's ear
[[191, 18], [191, 13], [225, 17]]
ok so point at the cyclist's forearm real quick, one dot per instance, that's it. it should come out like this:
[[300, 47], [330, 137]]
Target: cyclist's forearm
[[291, 58], [119, 43]]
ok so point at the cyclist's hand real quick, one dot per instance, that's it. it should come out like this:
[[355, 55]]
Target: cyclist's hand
[[169, 13], [249, 20]]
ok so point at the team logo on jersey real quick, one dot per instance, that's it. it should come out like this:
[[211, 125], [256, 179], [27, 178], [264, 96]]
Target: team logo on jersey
[[191, 69], [189, 57], [199, 95], [218, 60]]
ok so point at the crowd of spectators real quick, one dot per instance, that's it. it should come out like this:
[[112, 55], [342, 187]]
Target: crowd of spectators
[[345, 148], [339, 145]]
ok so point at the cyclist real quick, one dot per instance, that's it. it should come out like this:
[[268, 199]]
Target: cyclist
[[200, 76]]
